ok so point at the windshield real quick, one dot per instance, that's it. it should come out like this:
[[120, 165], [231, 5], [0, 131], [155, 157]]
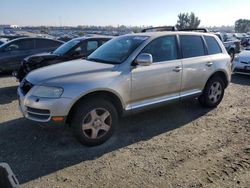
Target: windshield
[[117, 50], [63, 49]]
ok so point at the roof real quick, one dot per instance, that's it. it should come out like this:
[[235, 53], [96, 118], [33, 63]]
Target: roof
[[21, 38], [164, 33]]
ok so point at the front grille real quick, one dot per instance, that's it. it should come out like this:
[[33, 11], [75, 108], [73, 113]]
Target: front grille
[[244, 62], [41, 114], [242, 70], [25, 86]]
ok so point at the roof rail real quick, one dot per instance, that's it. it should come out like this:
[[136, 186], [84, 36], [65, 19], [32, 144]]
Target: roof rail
[[163, 28], [204, 30]]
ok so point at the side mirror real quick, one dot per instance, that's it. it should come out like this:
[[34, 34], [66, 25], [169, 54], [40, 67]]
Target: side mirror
[[144, 59]]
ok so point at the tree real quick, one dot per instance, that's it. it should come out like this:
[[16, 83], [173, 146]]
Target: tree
[[187, 21], [242, 26]]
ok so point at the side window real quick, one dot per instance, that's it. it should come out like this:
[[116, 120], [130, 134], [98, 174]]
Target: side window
[[91, 46], [192, 46], [81, 48], [21, 45], [162, 49], [212, 45], [43, 43]]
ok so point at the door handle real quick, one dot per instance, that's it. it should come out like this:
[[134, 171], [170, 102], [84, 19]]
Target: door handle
[[177, 69], [209, 64]]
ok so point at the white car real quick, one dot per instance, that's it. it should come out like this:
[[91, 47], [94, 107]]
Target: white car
[[241, 63]]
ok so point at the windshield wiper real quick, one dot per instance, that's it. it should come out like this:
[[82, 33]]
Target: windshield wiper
[[101, 61]]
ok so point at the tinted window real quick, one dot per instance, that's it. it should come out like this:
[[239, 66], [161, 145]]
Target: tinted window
[[43, 43], [81, 48], [21, 45], [192, 46], [92, 45], [162, 49], [212, 45]]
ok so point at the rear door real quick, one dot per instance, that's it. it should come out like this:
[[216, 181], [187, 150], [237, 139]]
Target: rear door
[[197, 65], [15, 52], [45, 45]]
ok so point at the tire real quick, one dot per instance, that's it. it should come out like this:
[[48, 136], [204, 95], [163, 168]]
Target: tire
[[232, 54], [211, 97], [94, 121]]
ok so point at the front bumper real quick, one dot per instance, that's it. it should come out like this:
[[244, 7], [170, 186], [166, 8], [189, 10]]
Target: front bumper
[[43, 109], [241, 68]]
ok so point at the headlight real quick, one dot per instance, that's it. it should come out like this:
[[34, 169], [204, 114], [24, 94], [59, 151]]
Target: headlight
[[47, 92], [236, 58]]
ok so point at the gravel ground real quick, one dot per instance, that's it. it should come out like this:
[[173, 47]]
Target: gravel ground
[[181, 145]]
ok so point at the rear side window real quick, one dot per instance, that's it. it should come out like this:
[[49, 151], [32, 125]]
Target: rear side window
[[162, 49], [212, 45], [43, 43], [192, 46]]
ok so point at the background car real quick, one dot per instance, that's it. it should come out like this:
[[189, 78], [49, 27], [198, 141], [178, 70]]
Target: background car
[[74, 49], [13, 52], [241, 63], [245, 41], [3, 40], [231, 44]]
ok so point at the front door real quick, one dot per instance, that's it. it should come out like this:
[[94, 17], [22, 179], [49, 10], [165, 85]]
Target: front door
[[160, 81]]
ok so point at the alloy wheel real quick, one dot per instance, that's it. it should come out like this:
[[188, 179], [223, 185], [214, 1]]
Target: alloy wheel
[[96, 123], [215, 92]]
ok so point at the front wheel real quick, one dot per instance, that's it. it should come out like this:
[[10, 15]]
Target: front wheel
[[94, 121], [213, 92]]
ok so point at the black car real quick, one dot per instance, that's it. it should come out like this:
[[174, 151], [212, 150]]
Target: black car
[[13, 52], [74, 49]]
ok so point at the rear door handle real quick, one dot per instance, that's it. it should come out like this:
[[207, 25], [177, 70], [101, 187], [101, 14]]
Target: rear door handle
[[209, 64], [177, 69]]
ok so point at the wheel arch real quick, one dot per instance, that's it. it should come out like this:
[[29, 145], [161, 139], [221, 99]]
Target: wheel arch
[[222, 75], [111, 96]]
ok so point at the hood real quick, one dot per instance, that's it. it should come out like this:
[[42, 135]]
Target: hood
[[67, 69], [245, 56], [40, 57]]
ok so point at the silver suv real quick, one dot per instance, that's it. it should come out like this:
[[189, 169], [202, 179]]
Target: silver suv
[[128, 74]]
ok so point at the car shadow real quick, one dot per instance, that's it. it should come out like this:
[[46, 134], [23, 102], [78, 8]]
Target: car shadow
[[241, 79], [34, 151], [8, 94]]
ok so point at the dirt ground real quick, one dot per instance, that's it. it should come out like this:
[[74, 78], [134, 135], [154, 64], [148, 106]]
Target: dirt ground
[[181, 145]]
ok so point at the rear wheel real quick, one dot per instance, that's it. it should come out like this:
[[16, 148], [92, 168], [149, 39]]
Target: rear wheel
[[94, 121], [213, 92]]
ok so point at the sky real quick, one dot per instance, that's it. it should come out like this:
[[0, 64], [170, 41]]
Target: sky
[[120, 12]]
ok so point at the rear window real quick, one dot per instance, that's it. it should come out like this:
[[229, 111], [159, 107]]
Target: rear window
[[192, 46], [212, 45]]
